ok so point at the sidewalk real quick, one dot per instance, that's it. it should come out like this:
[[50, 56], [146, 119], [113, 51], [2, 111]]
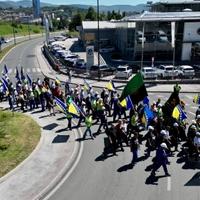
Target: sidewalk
[[161, 88], [48, 163]]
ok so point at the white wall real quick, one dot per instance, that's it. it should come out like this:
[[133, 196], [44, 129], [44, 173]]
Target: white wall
[[186, 51], [190, 32]]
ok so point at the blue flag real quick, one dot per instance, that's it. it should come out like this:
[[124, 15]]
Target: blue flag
[[5, 85], [148, 116], [29, 79], [22, 74], [5, 70], [61, 105], [17, 74], [129, 103], [146, 101]]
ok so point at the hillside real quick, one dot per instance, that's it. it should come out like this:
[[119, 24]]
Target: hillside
[[28, 3]]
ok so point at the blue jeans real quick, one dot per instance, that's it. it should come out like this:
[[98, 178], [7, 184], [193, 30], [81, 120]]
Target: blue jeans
[[90, 132], [135, 156]]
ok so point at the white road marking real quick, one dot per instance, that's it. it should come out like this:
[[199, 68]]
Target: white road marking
[[33, 70], [10, 71], [192, 113], [169, 183], [28, 70], [38, 69]]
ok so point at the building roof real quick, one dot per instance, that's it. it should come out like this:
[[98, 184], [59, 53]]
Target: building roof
[[178, 2], [164, 16], [102, 25]]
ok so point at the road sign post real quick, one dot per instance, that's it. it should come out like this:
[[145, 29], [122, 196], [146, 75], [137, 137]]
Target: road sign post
[[89, 57]]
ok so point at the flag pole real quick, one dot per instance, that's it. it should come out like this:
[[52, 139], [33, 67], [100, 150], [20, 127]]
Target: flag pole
[[142, 56]]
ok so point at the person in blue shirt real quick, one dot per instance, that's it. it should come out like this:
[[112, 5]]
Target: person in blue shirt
[[161, 159]]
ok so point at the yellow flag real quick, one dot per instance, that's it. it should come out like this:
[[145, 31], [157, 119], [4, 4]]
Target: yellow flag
[[72, 109], [123, 103], [176, 113]]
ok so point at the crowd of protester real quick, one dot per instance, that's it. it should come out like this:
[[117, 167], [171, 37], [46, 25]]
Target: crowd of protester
[[163, 134]]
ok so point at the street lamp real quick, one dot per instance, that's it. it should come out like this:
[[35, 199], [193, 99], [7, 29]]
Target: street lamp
[[29, 33], [99, 73]]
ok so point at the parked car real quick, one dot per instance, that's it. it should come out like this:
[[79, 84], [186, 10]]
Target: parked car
[[139, 37], [148, 73], [186, 71], [62, 53], [196, 68], [102, 68], [60, 38], [80, 63], [161, 35], [106, 49], [123, 71], [166, 71]]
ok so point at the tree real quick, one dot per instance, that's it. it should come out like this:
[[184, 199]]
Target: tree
[[109, 15], [91, 14], [76, 21]]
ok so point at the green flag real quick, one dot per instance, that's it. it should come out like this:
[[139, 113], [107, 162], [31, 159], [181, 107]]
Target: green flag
[[135, 88]]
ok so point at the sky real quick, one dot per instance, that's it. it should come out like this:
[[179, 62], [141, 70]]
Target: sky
[[93, 2]]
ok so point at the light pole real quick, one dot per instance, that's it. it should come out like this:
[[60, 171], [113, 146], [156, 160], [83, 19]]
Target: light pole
[[142, 56], [29, 34], [98, 38]]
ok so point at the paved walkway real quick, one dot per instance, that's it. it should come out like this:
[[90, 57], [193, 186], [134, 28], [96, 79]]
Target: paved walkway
[[53, 156]]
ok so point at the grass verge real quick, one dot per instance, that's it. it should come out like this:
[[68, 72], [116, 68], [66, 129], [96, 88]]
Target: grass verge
[[19, 135], [5, 50]]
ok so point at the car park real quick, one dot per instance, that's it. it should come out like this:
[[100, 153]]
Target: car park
[[123, 71], [166, 71], [196, 68], [62, 53], [80, 63], [102, 68], [186, 71], [60, 38], [148, 73], [106, 49]]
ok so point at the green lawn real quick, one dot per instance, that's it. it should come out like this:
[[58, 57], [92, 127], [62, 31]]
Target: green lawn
[[5, 50], [19, 135], [6, 29]]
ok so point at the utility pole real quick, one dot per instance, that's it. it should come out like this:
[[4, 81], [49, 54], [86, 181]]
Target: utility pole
[[98, 42], [29, 34], [13, 30]]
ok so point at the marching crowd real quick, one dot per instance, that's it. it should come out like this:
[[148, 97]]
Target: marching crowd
[[164, 134]]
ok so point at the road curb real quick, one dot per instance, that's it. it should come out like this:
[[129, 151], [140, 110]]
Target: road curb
[[13, 171], [65, 172], [163, 82]]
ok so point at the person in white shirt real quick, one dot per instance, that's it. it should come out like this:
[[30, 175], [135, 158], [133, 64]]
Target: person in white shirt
[[197, 145]]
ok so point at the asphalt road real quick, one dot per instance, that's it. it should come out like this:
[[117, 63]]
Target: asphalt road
[[112, 178], [23, 55]]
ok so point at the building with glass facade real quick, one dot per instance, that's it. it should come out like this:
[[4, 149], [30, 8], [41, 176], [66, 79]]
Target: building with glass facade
[[36, 8], [127, 37]]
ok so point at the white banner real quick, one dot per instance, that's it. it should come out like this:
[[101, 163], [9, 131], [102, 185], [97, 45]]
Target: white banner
[[173, 34]]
